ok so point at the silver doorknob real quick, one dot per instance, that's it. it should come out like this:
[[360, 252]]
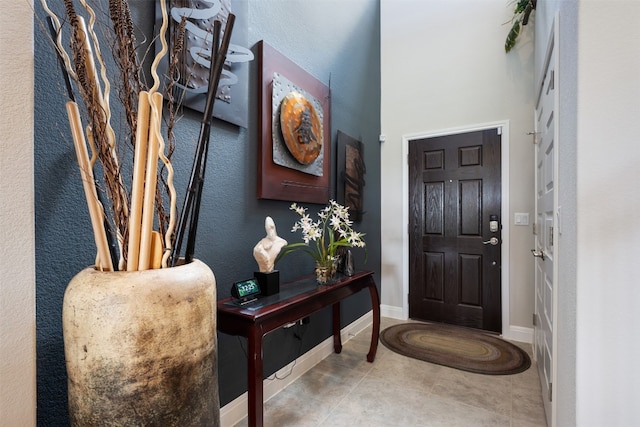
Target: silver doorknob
[[492, 241], [537, 254]]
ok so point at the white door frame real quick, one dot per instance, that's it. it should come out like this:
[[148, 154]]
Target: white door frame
[[504, 164]]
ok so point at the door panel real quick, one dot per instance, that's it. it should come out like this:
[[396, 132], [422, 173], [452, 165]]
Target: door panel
[[454, 185], [546, 169]]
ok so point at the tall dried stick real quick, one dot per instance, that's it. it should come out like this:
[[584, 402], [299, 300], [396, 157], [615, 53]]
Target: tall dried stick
[[156, 144], [58, 40], [137, 186], [126, 59], [150, 182], [120, 203], [163, 219], [95, 208], [96, 211]]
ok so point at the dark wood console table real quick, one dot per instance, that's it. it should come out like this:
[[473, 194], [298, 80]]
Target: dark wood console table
[[296, 300]]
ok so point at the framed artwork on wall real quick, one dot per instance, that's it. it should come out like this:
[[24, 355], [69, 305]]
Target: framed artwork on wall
[[191, 76], [294, 147], [350, 170]]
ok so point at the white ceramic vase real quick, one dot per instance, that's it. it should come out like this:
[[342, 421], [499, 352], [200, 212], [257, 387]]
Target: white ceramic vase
[[141, 347]]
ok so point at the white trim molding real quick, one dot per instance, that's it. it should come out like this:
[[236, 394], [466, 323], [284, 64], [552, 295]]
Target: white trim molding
[[519, 333], [392, 312]]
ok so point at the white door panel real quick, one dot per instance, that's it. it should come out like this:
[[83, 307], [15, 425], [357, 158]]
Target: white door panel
[[546, 233]]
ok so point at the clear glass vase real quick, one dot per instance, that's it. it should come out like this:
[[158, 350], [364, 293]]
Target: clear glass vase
[[325, 273]]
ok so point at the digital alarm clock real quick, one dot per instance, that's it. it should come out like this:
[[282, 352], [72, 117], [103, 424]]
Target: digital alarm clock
[[245, 290]]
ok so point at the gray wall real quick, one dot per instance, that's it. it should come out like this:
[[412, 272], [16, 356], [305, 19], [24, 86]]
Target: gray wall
[[338, 43]]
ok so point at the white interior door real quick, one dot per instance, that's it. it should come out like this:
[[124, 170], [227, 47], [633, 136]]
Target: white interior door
[[545, 229]]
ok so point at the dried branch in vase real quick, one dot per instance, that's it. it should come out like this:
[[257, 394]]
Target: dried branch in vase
[[150, 198]]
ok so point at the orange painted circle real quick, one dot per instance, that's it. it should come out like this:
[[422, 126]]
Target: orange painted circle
[[301, 127]]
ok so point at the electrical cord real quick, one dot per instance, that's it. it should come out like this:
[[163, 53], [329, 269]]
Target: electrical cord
[[298, 334]]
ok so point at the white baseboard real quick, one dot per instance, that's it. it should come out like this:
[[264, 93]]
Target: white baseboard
[[392, 312], [236, 410], [520, 334]]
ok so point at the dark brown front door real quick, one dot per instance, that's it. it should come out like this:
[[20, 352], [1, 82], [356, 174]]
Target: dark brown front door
[[454, 264]]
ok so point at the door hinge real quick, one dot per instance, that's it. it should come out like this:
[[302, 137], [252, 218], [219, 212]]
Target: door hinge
[[550, 392], [534, 229], [550, 236], [534, 321]]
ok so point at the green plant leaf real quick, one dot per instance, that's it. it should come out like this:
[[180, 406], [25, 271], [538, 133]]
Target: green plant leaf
[[521, 6], [512, 36], [292, 247]]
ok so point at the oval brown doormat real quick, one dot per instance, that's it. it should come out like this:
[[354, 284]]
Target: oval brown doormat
[[456, 347]]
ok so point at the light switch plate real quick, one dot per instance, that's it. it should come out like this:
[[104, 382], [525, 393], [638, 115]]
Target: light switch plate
[[521, 218]]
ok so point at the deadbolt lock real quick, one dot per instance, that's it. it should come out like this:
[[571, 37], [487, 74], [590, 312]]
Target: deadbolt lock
[[493, 223]]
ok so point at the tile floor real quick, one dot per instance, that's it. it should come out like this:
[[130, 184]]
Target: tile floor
[[345, 390]]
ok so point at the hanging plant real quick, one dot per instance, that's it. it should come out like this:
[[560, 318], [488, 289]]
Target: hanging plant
[[520, 18]]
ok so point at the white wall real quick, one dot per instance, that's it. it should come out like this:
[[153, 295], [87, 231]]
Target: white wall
[[17, 245], [608, 203], [443, 66], [597, 353]]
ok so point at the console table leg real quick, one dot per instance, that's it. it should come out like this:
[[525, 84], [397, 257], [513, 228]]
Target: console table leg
[[375, 333], [255, 391], [337, 342]]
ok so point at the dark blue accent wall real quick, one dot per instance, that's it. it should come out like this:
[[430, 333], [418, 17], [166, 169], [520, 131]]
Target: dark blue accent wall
[[336, 41]]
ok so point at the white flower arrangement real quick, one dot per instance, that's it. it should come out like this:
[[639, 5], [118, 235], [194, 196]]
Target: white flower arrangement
[[322, 238]]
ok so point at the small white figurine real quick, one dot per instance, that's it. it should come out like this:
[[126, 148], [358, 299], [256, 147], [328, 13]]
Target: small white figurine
[[267, 249]]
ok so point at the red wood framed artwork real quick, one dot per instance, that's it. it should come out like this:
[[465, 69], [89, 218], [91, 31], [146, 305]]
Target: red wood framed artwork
[[294, 147]]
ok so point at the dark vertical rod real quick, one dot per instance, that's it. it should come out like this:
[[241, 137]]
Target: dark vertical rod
[[191, 206], [186, 215], [65, 74], [220, 57]]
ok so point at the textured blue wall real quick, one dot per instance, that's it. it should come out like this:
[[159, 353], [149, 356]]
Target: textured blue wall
[[336, 41]]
